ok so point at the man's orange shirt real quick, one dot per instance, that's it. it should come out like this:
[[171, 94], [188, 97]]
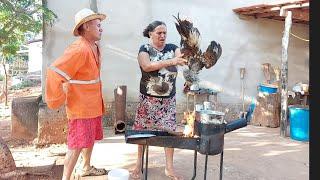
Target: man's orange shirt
[[80, 69]]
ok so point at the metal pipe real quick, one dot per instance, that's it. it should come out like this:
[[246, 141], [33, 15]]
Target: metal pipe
[[236, 124], [120, 126], [120, 108]]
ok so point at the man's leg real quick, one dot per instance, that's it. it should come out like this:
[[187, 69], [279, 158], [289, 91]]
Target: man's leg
[[69, 162], [87, 169], [136, 173], [169, 171], [86, 158]]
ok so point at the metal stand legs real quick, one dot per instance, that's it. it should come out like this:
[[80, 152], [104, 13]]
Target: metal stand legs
[[145, 148], [145, 169], [221, 165], [194, 165]]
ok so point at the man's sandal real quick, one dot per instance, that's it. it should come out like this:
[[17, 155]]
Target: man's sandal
[[94, 172]]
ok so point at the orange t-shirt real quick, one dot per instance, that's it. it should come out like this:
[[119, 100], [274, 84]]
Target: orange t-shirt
[[80, 69]]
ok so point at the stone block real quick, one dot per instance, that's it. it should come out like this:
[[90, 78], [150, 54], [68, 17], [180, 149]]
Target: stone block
[[52, 125], [24, 117]]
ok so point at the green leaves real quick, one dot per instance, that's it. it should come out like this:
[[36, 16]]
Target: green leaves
[[21, 17]]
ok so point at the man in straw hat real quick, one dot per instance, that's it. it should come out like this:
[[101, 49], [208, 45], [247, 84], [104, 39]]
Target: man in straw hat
[[74, 79]]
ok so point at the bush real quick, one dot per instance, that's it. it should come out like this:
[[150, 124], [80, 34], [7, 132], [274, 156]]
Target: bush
[[23, 84], [1, 77]]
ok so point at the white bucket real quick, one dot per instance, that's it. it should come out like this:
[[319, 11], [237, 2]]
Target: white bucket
[[118, 174]]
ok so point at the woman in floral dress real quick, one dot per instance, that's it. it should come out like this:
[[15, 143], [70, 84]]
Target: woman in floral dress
[[157, 101]]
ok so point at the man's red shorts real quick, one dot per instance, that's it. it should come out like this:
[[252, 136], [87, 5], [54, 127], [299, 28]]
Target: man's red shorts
[[83, 132]]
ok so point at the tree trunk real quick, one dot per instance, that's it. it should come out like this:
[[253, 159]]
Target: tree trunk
[[284, 76], [5, 86], [267, 110]]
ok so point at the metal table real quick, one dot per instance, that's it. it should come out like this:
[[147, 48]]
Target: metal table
[[164, 139]]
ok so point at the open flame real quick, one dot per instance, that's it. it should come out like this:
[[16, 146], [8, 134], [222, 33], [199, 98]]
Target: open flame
[[189, 118]]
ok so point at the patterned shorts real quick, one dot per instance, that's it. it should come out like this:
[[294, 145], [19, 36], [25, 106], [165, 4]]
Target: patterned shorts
[[83, 132], [153, 111]]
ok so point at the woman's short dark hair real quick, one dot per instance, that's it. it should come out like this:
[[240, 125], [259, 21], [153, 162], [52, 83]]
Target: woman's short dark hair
[[151, 27]]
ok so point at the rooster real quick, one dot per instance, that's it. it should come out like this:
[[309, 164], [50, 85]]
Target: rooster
[[190, 47]]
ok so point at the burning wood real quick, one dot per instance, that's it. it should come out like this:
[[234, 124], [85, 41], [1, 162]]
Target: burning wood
[[189, 118]]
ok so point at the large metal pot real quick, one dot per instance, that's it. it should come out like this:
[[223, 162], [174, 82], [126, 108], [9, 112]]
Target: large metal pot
[[209, 116]]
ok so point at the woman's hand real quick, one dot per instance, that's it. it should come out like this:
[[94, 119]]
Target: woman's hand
[[148, 66], [178, 60]]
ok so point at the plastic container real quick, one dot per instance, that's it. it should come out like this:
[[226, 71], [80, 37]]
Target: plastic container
[[118, 174], [268, 88], [299, 123]]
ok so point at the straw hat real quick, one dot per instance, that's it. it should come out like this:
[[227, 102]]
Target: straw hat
[[83, 16]]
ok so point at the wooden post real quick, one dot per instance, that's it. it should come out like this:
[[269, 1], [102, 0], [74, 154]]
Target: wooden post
[[284, 76]]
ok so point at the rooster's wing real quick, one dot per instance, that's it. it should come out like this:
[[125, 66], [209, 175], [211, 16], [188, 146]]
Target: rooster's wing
[[190, 37], [212, 54]]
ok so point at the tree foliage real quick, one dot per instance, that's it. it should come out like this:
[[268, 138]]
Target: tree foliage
[[20, 20]]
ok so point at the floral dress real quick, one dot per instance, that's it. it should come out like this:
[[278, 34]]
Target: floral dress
[[157, 100]]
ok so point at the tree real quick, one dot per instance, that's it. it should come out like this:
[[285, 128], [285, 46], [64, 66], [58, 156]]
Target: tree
[[20, 21]]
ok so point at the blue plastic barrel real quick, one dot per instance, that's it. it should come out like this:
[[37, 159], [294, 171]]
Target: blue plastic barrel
[[299, 123], [268, 88]]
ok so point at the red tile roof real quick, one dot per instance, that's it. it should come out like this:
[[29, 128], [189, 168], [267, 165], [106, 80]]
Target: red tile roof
[[299, 9]]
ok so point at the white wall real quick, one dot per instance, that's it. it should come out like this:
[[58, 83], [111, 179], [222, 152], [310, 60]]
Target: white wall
[[35, 57], [245, 42]]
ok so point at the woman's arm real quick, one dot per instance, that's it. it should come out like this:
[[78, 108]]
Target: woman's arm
[[148, 66]]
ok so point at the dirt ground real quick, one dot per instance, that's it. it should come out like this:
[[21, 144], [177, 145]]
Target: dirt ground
[[250, 153], [24, 152]]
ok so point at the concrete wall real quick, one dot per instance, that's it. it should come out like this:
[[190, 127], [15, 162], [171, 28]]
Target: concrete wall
[[245, 42]]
